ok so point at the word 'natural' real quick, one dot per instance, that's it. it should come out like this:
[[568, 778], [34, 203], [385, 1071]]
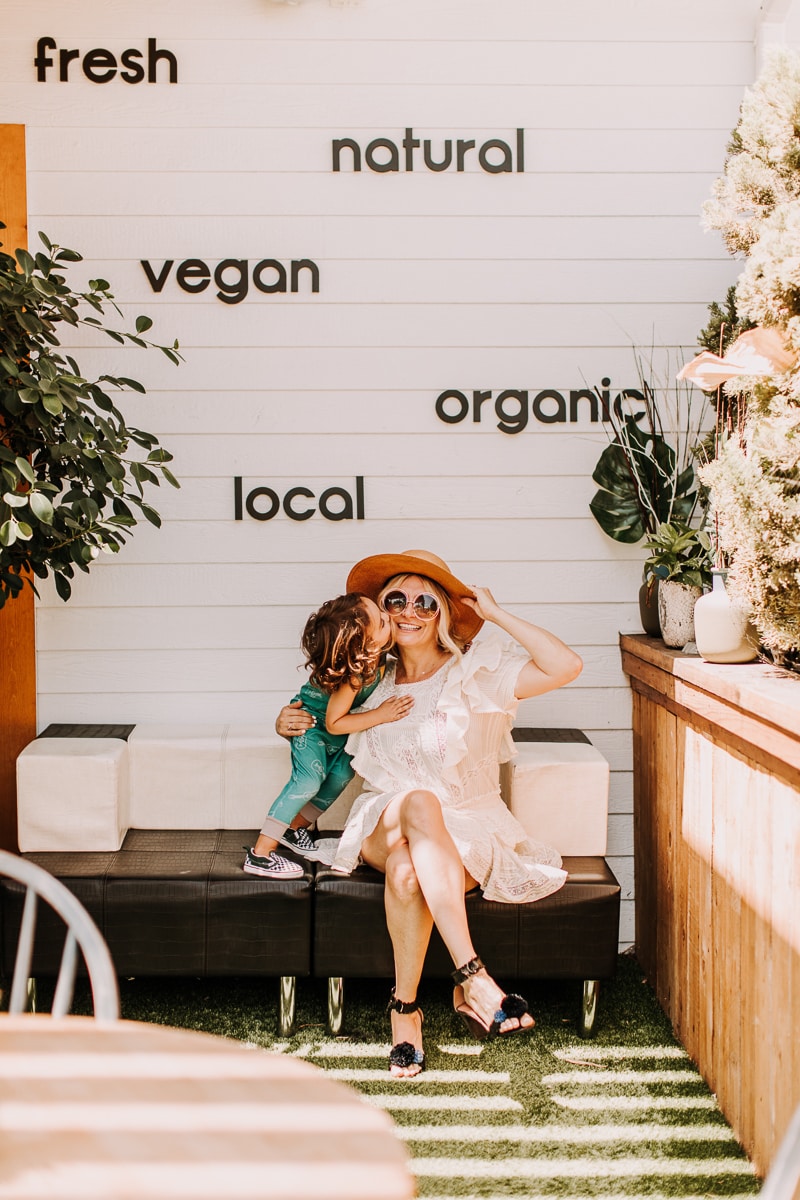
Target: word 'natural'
[[101, 66], [231, 276], [513, 407], [382, 154], [263, 503]]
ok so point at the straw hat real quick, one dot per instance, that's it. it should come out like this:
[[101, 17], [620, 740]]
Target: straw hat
[[369, 576]]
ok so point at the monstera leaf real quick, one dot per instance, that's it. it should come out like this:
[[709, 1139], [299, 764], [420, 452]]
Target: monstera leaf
[[639, 484]]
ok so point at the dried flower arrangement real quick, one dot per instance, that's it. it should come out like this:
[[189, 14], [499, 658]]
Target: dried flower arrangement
[[754, 480]]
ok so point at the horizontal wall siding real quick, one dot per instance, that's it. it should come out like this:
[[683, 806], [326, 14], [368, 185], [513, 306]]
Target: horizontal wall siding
[[538, 280]]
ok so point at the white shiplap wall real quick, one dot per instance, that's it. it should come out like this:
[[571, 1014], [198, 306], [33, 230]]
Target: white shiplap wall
[[540, 279]]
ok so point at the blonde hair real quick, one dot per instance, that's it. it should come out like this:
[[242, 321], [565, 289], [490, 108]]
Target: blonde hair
[[446, 638]]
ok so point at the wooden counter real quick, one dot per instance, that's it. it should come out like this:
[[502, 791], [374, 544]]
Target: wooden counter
[[717, 867]]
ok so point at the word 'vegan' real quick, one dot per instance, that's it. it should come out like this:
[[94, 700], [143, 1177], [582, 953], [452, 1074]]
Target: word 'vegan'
[[382, 154], [194, 275], [513, 407], [345, 509], [100, 65]]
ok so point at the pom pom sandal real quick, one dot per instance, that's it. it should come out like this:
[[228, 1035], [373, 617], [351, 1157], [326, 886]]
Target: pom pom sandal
[[511, 1006], [404, 1054]]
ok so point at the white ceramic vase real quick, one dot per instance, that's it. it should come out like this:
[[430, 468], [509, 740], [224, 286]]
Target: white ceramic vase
[[723, 630], [676, 603]]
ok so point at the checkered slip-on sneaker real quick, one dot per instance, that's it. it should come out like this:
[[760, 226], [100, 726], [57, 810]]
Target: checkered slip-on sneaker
[[274, 866], [299, 841]]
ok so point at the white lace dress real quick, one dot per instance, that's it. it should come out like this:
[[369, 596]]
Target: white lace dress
[[452, 743]]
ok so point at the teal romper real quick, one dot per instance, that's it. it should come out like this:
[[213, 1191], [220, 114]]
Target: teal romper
[[320, 764]]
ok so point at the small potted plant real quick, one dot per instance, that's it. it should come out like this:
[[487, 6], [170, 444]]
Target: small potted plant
[[680, 559]]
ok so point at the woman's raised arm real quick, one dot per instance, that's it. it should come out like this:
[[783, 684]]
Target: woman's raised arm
[[552, 663]]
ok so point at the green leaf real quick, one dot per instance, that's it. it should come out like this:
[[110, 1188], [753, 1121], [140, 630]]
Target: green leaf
[[152, 516], [132, 383], [25, 260], [140, 472], [16, 499], [25, 469], [8, 533], [30, 323], [170, 478], [41, 508], [113, 466], [43, 286], [24, 531], [62, 586], [638, 484], [52, 404], [143, 324]]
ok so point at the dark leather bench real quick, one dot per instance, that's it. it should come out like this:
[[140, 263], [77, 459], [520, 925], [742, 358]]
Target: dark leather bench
[[176, 902]]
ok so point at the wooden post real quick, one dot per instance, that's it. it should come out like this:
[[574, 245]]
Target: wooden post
[[17, 645]]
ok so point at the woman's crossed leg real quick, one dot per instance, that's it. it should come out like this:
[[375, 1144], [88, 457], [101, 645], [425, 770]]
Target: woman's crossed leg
[[425, 885]]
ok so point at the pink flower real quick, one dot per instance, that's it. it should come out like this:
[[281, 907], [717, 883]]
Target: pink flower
[[757, 352]]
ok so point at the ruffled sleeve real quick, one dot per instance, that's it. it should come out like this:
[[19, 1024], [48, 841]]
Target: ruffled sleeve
[[482, 681]]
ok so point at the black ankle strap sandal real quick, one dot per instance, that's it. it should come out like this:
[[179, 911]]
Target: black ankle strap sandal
[[462, 974], [404, 1054], [401, 1006], [511, 1007]]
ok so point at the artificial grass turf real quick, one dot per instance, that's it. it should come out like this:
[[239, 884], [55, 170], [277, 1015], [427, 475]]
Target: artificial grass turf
[[546, 1114]]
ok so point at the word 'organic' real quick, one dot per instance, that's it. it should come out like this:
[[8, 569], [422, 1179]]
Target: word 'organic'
[[513, 407]]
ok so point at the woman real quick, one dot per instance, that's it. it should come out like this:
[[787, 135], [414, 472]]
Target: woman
[[431, 817]]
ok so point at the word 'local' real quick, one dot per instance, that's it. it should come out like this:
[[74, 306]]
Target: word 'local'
[[263, 503]]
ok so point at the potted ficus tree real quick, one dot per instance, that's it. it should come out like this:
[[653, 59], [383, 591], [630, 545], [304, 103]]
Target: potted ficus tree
[[74, 472], [646, 481]]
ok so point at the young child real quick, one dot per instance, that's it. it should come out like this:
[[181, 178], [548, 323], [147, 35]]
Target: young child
[[342, 643]]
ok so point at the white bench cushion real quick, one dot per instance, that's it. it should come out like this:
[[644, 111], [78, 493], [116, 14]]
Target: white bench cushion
[[176, 776], [256, 767], [559, 792], [72, 794]]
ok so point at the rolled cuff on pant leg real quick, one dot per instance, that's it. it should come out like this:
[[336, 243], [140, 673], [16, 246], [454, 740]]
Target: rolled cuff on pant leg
[[273, 828], [311, 811]]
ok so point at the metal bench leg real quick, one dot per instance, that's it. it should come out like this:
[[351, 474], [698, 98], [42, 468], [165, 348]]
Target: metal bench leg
[[288, 990], [335, 1005], [588, 1016]]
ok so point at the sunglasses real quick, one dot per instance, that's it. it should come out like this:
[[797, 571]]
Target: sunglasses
[[425, 606]]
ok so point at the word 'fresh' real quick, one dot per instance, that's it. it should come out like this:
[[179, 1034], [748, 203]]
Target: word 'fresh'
[[101, 66]]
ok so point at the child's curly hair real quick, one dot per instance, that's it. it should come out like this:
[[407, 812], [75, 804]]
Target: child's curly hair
[[336, 644]]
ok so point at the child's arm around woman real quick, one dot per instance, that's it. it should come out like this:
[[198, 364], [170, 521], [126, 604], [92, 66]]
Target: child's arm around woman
[[339, 718]]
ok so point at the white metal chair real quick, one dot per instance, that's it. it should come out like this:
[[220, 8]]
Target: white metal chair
[[783, 1178], [81, 932]]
